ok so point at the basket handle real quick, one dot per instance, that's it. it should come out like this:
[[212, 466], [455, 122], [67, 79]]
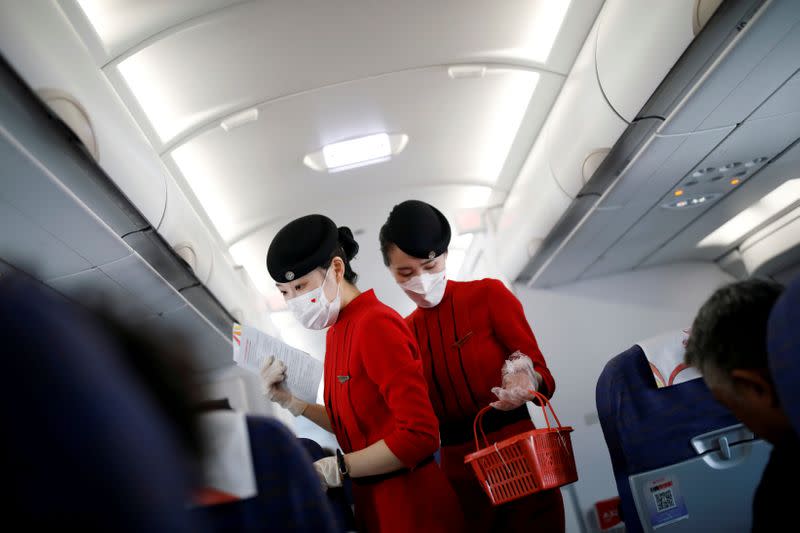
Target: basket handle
[[479, 424], [543, 401]]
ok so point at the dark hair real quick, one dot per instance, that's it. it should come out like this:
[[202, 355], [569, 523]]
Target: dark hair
[[386, 244], [730, 330], [346, 250], [162, 363]]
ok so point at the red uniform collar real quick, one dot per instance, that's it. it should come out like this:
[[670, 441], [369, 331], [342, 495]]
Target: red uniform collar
[[359, 302]]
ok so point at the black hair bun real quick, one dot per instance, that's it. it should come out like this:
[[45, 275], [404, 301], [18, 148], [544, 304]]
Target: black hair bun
[[348, 242]]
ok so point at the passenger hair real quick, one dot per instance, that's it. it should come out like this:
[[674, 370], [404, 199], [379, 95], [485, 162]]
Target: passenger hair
[[730, 330], [162, 364]]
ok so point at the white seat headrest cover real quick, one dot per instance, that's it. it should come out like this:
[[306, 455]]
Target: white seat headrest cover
[[665, 353], [228, 466]]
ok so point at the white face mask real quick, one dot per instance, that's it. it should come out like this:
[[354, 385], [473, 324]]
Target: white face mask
[[313, 310], [426, 290]]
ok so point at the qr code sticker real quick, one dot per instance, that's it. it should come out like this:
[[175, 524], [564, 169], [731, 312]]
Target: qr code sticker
[[664, 500]]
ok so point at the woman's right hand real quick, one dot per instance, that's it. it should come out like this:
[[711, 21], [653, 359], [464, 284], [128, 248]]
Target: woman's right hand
[[273, 374]]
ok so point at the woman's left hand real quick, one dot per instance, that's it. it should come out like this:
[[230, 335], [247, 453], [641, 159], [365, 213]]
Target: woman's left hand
[[519, 379], [328, 470]]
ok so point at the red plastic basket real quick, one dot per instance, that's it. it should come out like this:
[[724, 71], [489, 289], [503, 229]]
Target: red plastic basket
[[525, 464]]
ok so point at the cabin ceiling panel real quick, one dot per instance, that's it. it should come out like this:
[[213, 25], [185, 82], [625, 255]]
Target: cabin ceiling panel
[[121, 24], [258, 51], [459, 131]]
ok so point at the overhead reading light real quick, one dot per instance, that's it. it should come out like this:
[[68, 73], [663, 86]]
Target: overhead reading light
[[764, 209], [358, 152], [685, 201]]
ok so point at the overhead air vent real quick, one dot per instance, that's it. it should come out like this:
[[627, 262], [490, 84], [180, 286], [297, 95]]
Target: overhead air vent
[[239, 119], [466, 71]]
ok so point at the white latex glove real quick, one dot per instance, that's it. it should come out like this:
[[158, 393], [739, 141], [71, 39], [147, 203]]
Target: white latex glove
[[328, 470], [273, 374], [519, 378]]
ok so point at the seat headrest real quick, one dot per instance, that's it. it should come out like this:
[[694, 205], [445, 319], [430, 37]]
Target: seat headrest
[[783, 346], [665, 353]]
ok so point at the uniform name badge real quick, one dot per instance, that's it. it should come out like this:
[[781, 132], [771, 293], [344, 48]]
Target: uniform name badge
[[665, 503]]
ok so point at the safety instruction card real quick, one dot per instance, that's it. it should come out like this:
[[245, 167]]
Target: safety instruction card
[[252, 347]]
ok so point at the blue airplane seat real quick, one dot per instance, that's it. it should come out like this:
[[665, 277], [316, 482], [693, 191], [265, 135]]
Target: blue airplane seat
[[658, 437]]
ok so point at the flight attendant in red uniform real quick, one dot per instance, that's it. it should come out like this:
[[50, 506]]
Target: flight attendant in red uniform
[[376, 398], [467, 331]]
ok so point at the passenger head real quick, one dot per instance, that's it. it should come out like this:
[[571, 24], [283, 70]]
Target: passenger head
[[91, 413], [162, 363], [414, 243], [728, 345], [309, 259]]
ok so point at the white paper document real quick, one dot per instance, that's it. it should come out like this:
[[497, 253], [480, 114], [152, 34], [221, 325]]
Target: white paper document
[[251, 347]]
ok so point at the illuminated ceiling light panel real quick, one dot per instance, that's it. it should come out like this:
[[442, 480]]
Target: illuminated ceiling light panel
[[358, 152], [755, 215], [364, 150], [498, 132], [546, 19], [153, 95], [101, 15], [217, 199]]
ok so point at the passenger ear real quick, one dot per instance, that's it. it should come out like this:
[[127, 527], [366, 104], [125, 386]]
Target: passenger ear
[[755, 385]]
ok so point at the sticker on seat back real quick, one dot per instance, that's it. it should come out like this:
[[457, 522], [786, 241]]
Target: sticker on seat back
[[665, 503]]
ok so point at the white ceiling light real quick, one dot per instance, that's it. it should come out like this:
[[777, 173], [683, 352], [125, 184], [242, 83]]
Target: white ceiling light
[[364, 150], [764, 209], [358, 152]]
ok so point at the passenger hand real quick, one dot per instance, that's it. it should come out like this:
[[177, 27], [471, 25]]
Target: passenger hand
[[519, 379], [328, 471], [273, 374]]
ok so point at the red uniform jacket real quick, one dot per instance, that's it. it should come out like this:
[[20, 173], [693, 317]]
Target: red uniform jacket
[[464, 342], [375, 389]]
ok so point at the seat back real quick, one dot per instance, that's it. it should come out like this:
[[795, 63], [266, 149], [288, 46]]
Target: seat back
[[289, 496], [649, 433], [84, 445], [783, 342]]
